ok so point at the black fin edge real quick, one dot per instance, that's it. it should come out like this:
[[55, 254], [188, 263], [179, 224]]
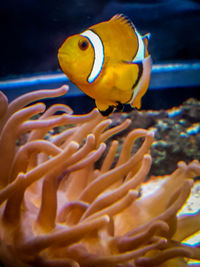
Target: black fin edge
[[119, 107], [107, 112]]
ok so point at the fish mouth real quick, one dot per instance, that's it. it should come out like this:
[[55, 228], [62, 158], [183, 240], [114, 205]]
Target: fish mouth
[[65, 61], [63, 56], [62, 53]]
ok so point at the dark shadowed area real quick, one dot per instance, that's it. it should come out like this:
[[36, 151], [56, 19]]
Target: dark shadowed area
[[33, 30]]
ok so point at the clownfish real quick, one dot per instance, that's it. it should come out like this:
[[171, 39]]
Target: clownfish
[[109, 62]]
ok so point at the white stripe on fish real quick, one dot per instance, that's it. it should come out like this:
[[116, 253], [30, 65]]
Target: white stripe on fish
[[98, 54], [141, 49]]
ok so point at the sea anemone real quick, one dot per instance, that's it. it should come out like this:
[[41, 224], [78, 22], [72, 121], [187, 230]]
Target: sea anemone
[[59, 209]]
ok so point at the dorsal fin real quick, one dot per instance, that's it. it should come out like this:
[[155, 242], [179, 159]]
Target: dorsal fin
[[145, 39], [123, 20]]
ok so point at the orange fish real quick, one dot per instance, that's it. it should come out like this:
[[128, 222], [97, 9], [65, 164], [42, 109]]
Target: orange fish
[[109, 62]]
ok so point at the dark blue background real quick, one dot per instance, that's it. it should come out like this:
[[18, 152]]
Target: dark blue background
[[33, 30]]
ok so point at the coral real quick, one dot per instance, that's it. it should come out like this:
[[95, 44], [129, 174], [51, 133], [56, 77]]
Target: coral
[[58, 209], [177, 132]]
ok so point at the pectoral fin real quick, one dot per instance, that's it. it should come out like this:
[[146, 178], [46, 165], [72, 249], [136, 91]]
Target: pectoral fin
[[127, 73], [126, 76]]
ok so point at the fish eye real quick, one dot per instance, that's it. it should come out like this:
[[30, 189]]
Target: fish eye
[[83, 44]]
